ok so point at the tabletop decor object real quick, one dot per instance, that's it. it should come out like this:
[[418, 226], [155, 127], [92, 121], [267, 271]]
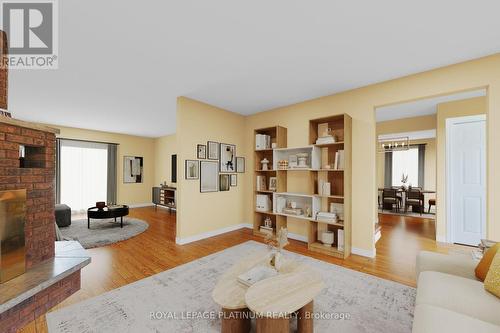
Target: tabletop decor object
[[276, 244]]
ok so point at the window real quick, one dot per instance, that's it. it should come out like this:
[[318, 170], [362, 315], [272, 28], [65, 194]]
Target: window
[[83, 174], [405, 162]]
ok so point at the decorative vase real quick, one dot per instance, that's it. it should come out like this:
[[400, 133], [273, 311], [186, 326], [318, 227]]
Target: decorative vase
[[276, 260], [327, 238], [100, 205], [264, 162]]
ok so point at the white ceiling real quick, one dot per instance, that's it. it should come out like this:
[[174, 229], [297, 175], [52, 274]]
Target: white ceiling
[[123, 63], [422, 107]]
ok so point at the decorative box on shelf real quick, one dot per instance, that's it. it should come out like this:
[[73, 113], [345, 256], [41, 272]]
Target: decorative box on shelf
[[263, 203], [300, 158]]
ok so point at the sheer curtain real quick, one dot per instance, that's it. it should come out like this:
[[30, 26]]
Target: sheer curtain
[[83, 174], [405, 162]]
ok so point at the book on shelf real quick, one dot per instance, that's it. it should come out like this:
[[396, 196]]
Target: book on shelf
[[337, 208], [293, 211], [340, 240], [325, 140], [261, 183], [266, 230], [262, 141], [339, 160], [327, 217]]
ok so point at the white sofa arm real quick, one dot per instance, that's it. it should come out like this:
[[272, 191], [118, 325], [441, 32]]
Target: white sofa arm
[[455, 264]]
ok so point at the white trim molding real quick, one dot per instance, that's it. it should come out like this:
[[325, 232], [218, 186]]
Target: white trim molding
[[364, 253], [140, 205], [208, 234]]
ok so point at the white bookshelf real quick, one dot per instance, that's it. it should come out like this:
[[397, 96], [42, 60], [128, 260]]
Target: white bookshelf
[[313, 159], [302, 201]]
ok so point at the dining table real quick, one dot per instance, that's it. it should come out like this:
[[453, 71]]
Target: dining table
[[403, 195]]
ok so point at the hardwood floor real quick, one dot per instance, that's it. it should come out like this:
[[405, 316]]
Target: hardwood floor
[[155, 251]]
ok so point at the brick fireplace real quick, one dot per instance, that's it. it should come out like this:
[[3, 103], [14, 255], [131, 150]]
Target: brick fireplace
[[27, 162]]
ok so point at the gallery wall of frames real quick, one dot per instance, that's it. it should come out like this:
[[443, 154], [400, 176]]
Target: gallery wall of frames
[[216, 167]]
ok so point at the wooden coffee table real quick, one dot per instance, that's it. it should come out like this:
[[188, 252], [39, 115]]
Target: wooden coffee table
[[276, 299], [232, 295], [107, 213]]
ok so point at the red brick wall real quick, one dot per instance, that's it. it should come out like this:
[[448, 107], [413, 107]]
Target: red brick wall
[[39, 183], [3, 71], [24, 313]]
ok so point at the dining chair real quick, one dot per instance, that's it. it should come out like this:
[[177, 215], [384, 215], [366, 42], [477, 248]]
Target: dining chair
[[432, 202], [414, 198], [390, 196]]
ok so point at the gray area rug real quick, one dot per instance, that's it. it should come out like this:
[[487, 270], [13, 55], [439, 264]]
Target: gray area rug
[[372, 304], [103, 232]]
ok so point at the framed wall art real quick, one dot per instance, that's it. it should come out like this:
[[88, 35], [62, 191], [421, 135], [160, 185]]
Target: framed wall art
[[224, 182], [227, 156], [201, 152], [133, 168], [192, 169], [212, 150], [209, 176], [240, 164], [234, 180]]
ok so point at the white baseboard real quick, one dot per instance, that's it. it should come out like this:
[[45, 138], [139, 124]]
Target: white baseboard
[[377, 236], [139, 205], [441, 239], [208, 234], [364, 253]]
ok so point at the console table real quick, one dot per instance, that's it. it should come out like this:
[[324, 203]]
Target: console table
[[166, 197]]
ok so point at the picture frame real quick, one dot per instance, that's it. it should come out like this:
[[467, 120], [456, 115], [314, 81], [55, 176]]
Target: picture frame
[[240, 164], [234, 180], [273, 184], [209, 176], [224, 182], [212, 150], [201, 152], [133, 169], [192, 169], [227, 158]]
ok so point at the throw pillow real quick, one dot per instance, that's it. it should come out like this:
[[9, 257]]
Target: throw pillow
[[492, 281], [484, 265]]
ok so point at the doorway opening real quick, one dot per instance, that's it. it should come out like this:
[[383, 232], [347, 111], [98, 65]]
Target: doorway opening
[[413, 179]]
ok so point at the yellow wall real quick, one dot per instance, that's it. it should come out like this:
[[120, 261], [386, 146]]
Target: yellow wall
[[467, 107], [360, 104], [164, 148], [407, 125], [129, 145], [198, 212]]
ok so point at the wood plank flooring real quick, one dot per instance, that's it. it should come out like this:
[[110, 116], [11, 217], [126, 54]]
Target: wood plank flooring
[[155, 250]]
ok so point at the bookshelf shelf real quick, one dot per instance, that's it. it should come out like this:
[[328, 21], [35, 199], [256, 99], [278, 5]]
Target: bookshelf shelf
[[327, 145], [277, 136], [302, 185]]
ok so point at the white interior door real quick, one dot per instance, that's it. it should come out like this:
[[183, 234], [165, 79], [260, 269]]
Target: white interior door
[[466, 179]]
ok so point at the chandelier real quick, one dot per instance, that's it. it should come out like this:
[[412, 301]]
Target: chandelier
[[393, 144]]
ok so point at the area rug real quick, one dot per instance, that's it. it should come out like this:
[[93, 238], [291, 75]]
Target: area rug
[[103, 232], [179, 300]]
